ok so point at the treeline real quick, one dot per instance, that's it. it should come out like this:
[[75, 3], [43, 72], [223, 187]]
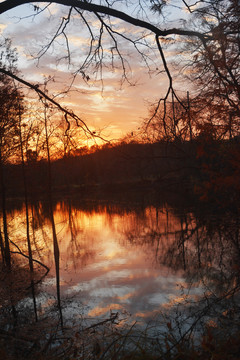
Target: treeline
[[205, 167], [108, 166]]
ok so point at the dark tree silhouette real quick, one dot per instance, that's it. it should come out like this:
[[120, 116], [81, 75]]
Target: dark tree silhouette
[[11, 108]]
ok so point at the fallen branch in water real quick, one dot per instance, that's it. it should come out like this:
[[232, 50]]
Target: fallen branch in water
[[112, 318]]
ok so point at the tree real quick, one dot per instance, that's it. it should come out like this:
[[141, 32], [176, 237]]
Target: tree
[[172, 121], [11, 105], [214, 66], [153, 31]]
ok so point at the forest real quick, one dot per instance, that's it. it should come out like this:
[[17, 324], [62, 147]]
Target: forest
[[204, 169]]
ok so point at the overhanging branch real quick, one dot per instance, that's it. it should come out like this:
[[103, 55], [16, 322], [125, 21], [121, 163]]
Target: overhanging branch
[[42, 94], [94, 8]]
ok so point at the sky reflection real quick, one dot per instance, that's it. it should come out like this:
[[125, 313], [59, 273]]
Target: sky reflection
[[110, 261]]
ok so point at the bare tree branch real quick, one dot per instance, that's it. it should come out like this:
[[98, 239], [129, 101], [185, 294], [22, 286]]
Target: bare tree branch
[[80, 123], [94, 8]]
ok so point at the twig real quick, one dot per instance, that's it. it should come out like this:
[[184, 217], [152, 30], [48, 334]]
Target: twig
[[112, 318]]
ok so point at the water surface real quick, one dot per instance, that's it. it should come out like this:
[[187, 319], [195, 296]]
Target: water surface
[[138, 261]]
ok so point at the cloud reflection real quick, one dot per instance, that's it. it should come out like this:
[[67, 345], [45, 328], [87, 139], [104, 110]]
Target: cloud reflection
[[105, 268]]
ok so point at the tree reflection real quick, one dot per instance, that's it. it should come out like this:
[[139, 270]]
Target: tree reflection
[[200, 245], [206, 247]]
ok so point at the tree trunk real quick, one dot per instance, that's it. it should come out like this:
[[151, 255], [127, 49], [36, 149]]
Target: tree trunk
[[4, 215], [2, 248], [55, 241], [26, 199]]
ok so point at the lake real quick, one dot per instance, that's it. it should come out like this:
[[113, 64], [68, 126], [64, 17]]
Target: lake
[[146, 263]]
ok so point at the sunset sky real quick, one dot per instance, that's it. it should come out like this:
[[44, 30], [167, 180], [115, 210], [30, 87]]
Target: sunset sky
[[109, 105]]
